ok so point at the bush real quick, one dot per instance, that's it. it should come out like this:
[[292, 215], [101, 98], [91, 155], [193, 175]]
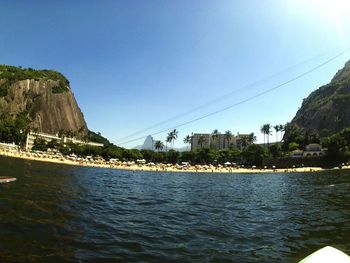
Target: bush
[[39, 145], [3, 91], [59, 89], [13, 74]]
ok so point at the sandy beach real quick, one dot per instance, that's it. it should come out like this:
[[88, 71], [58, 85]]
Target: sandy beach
[[68, 160]]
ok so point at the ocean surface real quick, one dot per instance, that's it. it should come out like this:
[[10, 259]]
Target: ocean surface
[[58, 213]]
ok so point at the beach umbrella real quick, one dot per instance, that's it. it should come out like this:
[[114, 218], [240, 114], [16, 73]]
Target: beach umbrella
[[227, 163]]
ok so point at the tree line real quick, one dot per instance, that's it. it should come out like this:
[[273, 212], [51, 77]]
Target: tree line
[[13, 129]]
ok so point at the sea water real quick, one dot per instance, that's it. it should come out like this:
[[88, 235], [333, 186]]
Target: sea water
[[61, 213]]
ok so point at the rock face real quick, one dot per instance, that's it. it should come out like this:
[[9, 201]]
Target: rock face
[[326, 110], [49, 110], [148, 144]]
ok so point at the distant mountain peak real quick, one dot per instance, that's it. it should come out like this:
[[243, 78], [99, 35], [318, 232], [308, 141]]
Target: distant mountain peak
[[148, 143]]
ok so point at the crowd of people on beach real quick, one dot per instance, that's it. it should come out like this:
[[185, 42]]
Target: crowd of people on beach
[[141, 165]]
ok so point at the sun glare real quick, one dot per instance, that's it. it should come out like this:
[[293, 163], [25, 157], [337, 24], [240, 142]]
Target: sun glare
[[336, 8], [337, 12]]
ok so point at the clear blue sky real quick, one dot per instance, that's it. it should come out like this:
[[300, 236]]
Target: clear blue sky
[[132, 64]]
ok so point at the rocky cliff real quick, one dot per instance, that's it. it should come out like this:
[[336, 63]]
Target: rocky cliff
[[45, 98], [327, 110]]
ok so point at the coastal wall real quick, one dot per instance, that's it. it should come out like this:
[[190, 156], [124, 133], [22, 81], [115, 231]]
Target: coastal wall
[[297, 162]]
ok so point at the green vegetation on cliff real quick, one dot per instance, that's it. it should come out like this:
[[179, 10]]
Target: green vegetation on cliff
[[338, 147], [12, 74], [46, 98], [326, 110], [13, 129]]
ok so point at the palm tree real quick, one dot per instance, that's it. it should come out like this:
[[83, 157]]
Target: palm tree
[[244, 141], [215, 136], [201, 140], [168, 139], [251, 138], [282, 129], [173, 136], [262, 130], [158, 145], [266, 130], [277, 129], [228, 137], [268, 133], [188, 140]]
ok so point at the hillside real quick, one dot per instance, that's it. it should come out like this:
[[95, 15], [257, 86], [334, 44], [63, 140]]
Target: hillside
[[326, 110], [40, 100]]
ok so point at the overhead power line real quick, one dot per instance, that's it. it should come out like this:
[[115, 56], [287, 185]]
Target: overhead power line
[[219, 98], [245, 100]]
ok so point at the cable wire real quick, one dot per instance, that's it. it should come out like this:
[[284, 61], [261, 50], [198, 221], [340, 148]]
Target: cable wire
[[219, 98], [245, 100]]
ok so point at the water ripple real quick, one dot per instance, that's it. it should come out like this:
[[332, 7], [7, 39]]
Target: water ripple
[[69, 214]]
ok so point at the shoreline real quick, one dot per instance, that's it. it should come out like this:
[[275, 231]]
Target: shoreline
[[160, 167]]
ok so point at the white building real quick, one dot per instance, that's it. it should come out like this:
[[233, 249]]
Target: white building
[[313, 149], [31, 136], [220, 142]]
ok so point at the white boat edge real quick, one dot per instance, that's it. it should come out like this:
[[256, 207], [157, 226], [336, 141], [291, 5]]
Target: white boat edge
[[327, 254], [7, 180]]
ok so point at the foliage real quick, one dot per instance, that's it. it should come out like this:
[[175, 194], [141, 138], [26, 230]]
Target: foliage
[[254, 154], [266, 130], [13, 74], [275, 150], [188, 140], [172, 156], [338, 146], [295, 135], [147, 155], [3, 90], [188, 156], [132, 154], [39, 145], [292, 146], [326, 110], [201, 140], [97, 137], [228, 137], [54, 144], [13, 129], [158, 145], [59, 89], [172, 136]]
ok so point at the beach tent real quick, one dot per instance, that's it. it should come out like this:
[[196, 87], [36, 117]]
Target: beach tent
[[141, 161], [227, 164]]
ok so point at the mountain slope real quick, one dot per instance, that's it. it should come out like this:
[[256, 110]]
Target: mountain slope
[[326, 110], [43, 97]]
